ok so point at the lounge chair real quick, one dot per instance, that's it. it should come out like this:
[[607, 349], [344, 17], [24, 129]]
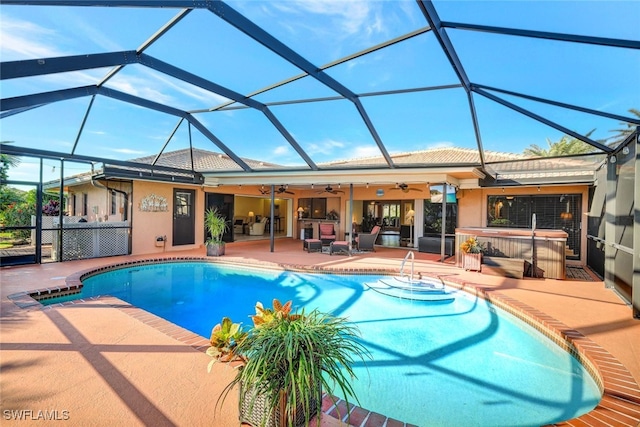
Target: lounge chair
[[367, 241], [257, 228], [327, 233]]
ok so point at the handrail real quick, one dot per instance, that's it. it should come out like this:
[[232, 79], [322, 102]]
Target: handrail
[[404, 261]]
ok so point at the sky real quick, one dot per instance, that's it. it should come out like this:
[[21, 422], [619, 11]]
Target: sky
[[321, 31]]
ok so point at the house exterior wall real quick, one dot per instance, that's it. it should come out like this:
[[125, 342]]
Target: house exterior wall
[[98, 203], [473, 210], [147, 225]]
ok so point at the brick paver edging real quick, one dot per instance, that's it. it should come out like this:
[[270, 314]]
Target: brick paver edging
[[620, 403]]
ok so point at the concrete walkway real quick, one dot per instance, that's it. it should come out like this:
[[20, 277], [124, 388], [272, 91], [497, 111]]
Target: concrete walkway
[[94, 363]]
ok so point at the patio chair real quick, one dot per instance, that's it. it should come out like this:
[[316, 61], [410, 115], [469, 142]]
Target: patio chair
[[238, 224], [257, 228], [326, 232], [366, 241]]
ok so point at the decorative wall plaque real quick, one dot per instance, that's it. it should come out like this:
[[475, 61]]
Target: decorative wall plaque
[[153, 203]]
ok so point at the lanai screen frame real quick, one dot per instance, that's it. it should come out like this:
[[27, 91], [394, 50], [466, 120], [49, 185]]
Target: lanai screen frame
[[119, 60]]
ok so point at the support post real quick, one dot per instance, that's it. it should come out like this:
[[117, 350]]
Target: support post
[[635, 285]]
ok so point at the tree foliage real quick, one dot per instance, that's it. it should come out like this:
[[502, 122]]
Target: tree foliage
[[7, 161], [566, 146], [624, 132]]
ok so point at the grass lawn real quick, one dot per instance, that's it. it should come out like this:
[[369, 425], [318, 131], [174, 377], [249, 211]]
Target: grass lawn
[[6, 240]]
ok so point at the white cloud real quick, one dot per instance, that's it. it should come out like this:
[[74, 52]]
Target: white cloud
[[281, 150], [126, 151], [326, 147], [89, 32], [361, 151], [22, 39], [351, 17], [138, 86], [155, 86], [339, 19], [15, 46]]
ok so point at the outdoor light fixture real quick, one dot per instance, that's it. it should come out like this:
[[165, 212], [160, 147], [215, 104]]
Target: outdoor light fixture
[[410, 214]]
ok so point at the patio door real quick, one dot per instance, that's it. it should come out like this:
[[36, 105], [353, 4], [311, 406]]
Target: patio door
[[183, 217], [224, 204]]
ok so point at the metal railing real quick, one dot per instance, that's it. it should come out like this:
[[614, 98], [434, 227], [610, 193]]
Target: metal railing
[[410, 253]]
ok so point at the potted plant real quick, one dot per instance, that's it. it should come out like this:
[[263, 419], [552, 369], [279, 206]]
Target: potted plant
[[216, 225], [288, 359], [332, 215], [471, 254], [225, 338]]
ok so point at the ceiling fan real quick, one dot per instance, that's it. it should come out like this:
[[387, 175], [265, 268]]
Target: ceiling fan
[[405, 188], [282, 189], [329, 189]]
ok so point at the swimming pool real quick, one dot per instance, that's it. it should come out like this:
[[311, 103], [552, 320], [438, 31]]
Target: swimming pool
[[461, 363]]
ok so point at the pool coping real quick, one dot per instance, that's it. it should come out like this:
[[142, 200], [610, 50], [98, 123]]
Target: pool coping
[[620, 403]]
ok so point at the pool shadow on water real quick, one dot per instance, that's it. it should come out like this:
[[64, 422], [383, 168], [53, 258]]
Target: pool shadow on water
[[559, 409], [230, 294]]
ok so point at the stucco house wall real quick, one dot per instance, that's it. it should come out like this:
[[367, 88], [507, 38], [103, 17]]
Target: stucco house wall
[[147, 225]]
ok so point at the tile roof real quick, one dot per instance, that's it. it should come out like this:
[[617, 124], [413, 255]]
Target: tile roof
[[431, 157], [203, 161]]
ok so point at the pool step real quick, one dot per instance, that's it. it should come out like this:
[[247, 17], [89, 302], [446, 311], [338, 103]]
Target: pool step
[[415, 290]]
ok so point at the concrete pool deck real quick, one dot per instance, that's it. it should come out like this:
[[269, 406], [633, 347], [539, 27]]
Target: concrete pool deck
[[101, 362]]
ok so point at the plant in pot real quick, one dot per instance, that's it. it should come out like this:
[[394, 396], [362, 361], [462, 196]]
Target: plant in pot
[[225, 338], [216, 225], [288, 359], [472, 254]]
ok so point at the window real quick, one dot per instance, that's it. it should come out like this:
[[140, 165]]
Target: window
[[433, 218], [557, 212], [433, 212], [182, 204], [391, 214], [114, 202], [315, 208], [84, 204]]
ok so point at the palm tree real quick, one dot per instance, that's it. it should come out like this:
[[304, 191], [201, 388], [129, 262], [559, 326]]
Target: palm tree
[[7, 161], [566, 146], [624, 132]]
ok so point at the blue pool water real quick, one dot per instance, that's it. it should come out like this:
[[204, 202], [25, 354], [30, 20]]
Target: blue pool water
[[463, 363]]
